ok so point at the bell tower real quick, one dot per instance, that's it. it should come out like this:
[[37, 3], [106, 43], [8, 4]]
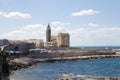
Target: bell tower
[[48, 33]]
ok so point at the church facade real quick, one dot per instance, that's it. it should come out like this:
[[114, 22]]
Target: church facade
[[59, 40]]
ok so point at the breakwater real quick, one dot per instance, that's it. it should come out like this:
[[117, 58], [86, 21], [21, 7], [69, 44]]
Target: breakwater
[[69, 52]]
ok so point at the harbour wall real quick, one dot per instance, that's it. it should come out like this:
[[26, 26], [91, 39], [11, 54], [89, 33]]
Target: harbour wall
[[69, 52]]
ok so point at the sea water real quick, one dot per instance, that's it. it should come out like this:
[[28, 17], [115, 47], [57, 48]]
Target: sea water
[[49, 71]]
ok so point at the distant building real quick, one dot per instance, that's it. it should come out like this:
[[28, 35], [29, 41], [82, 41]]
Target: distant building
[[38, 43], [13, 46], [51, 44], [63, 40], [48, 33], [54, 38], [60, 40], [18, 47], [4, 42]]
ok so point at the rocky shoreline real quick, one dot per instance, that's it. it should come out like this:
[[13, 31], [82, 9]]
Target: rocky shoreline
[[25, 62], [16, 64], [58, 54], [85, 77]]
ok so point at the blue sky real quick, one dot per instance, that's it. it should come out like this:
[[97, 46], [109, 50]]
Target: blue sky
[[89, 22]]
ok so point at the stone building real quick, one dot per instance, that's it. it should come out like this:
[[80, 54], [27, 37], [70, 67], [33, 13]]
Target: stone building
[[51, 44], [15, 46], [48, 33], [54, 38], [63, 40], [60, 40], [38, 42], [4, 42], [19, 47]]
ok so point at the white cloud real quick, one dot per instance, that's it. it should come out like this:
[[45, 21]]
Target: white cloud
[[93, 24], [79, 36], [85, 12], [100, 36], [15, 15], [32, 27], [58, 23], [26, 32], [58, 26], [56, 30], [31, 31]]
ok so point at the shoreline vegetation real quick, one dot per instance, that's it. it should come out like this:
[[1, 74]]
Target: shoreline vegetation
[[20, 62]]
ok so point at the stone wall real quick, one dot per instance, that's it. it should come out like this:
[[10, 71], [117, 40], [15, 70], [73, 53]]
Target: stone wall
[[65, 52]]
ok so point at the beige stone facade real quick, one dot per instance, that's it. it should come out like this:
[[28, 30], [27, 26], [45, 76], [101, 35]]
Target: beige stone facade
[[38, 43], [51, 44], [54, 38], [63, 40], [59, 40]]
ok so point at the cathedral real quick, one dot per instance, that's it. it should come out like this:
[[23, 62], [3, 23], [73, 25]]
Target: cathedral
[[59, 40]]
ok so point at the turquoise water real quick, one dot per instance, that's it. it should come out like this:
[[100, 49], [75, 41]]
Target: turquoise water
[[49, 71]]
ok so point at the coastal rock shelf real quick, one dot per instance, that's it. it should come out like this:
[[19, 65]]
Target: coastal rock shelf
[[83, 77], [19, 63]]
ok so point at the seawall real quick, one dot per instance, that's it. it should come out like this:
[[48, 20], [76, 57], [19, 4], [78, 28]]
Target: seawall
[[19, 63], [69, 52]]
